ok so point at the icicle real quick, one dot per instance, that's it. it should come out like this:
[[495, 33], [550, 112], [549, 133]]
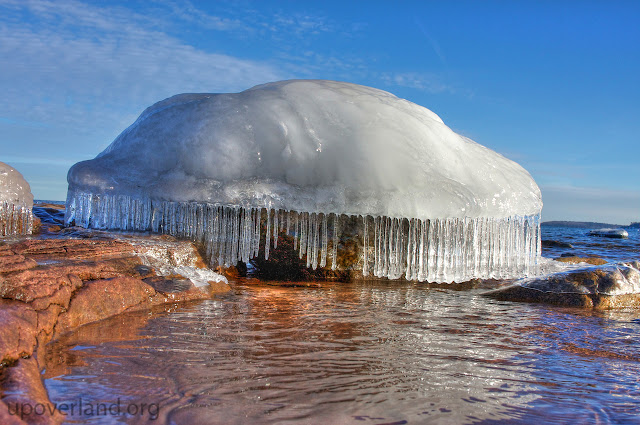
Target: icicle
[[424, 249], [282, 221], [220, 234], [310, 235], [256, 232], [323, 251], [303, 238], [296, 231], [15, 220], [334, 247], [267, 235], [275, 228], [314, 261], [365, 247]]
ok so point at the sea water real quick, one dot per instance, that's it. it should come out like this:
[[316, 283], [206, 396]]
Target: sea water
[[369, 352]]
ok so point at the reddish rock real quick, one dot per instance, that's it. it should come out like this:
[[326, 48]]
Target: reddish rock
[[116, 295], [50, 286], [11, 261], [18, 330]]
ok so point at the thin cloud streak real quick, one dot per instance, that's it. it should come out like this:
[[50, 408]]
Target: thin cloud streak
[[114, 69], [430, 83]]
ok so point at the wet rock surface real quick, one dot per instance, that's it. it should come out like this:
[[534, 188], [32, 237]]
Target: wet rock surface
[[550, 243], [600, 287], [574, 259], [65, 278]]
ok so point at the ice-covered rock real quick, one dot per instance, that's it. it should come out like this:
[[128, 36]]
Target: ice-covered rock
[[435, 205], [601, 287], [610, 233], [16, 202]]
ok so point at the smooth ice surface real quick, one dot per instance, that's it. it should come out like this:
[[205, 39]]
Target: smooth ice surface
[[309, 146], [610, 279], [14, 189], [16, 202]]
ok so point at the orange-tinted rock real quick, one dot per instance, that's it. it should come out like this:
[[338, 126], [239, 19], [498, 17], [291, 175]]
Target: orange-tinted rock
[[99, 299], [79, 249], [18, 330], [51, 285], [11, 261]]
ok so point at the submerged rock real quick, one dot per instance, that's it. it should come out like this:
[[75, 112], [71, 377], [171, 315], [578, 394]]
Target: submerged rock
[[599, 287], [550, 243]]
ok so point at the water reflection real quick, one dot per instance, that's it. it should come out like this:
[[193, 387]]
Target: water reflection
[[373, 352]]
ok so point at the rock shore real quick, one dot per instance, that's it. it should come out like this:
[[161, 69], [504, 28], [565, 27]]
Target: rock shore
[[63, 279]]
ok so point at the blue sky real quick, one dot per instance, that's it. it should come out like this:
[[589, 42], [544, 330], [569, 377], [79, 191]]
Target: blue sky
[[552, 85]]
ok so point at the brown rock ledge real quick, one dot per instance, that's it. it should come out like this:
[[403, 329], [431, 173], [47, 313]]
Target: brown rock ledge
[[596, 261], [48, 286]]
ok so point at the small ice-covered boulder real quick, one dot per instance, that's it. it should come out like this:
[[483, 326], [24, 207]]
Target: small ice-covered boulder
[[610, 233], [16, 202], [434, 205], [600, 287]]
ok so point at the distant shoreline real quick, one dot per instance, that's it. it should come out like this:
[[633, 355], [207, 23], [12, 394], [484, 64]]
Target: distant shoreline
[[588, 224]]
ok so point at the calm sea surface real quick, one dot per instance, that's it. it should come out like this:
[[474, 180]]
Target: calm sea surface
[[373, 352]]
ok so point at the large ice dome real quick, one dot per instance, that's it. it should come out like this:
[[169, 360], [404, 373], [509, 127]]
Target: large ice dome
[[306, 146], [16, 202], [309, 146]]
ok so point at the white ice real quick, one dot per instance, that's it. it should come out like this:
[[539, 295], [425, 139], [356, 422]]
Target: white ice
[[16, 202], [434, 205], [309, 145], [174, 258]]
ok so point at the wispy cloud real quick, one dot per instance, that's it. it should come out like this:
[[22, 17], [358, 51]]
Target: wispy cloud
[[428, 82], [78, 65], [188, 12], [302, 24]]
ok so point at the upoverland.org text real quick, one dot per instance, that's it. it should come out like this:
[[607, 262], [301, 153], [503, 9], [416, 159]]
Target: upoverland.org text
[[82, 407]]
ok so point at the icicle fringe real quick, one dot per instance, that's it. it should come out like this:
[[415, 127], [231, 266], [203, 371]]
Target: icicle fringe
[[435, 250], [15, 220]]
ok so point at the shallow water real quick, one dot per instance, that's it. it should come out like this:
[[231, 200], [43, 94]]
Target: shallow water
[[368, 353]]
